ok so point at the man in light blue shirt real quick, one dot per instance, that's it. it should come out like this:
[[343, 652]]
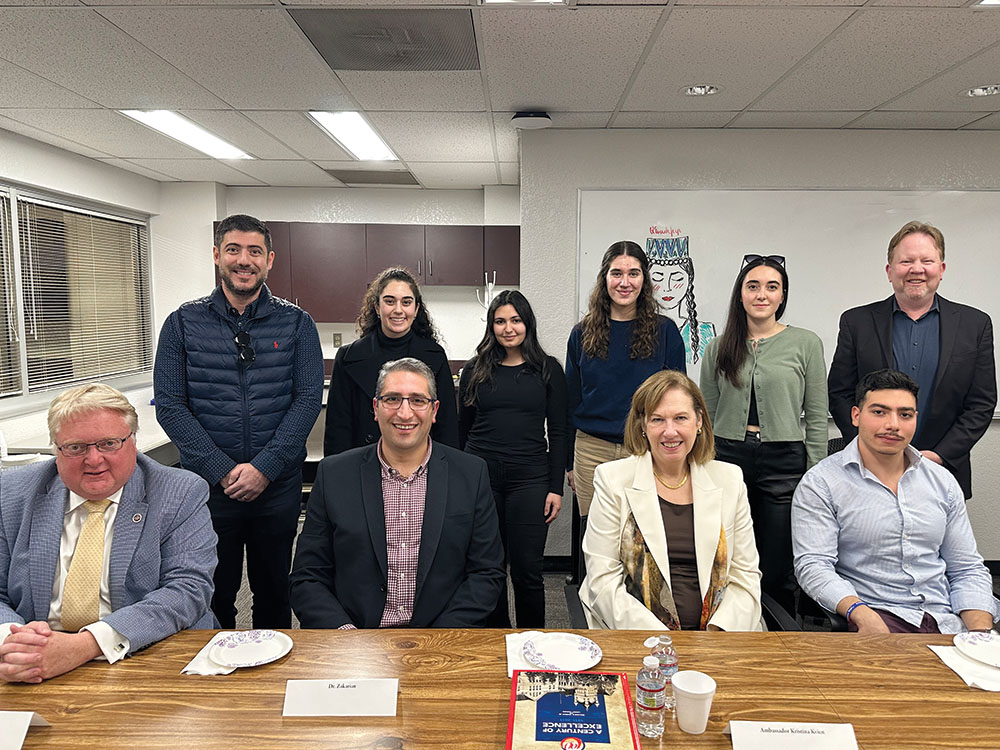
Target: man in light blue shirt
[[880, 533]]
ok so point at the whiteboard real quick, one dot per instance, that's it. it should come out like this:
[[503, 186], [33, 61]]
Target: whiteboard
[[834, 242]]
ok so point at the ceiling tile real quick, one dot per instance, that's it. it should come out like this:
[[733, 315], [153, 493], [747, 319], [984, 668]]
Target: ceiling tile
[[241, 132], [880, 54], [21, 88], [297, 131], [37, 2], [672, 119], [286, 173], [288, 74], [126, 164], [198, 170], [793, 119], [923, 3], [510, 173], [41, 135], [455, 175], [426, 91], [352, 3], [947, 91], [562, 59], [703, 45], [105, 130], [992, 122], [839, 3], [373, 166], [79, 50], [436, 136], [915, 120], [166, 2]]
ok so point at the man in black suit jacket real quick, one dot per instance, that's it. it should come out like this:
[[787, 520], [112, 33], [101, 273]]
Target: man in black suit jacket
[[946, 347], [403, 533]]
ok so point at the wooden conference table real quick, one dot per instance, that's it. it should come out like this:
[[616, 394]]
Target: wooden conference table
[[454, 692]]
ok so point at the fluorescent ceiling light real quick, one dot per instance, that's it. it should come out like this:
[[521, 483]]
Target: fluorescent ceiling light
[[354, 134], [988, 2], [183, 130], [700, 89], [991, 90]]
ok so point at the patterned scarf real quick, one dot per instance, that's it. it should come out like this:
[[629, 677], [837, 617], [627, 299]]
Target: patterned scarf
[[645, 582]]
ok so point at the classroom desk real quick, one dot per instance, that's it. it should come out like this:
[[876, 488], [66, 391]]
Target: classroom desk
[[454, 692]]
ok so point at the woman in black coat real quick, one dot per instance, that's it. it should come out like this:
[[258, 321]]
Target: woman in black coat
[[393, 323]]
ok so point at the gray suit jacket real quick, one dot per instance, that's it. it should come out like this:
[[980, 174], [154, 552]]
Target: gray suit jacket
[[162, 554]]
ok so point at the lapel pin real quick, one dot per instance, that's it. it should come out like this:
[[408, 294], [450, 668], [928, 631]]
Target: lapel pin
[[136, 518]]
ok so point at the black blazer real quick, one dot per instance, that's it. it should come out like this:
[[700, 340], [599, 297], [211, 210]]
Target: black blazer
[[965, 387], [340, 571], [350, 421]]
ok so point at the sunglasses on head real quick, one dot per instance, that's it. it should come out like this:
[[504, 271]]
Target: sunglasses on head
[[754, 258], [246, 354]]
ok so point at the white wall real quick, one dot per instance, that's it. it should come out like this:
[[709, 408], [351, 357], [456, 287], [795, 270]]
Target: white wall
[[556, 164]]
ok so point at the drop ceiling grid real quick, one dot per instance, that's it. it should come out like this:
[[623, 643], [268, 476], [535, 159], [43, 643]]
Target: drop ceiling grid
[[417, 91], [915, 120], [126, 164], [949, 87], [300, 134], [286, 173], [198, 170], [553, 59], [436, 136], [741, 50], [266, 65], [787, 120], [14, 126], [672, 119], [239, 130], [80, 50], [22, 88], [454, 175], [987, 123], [105, 130], [880, 54]]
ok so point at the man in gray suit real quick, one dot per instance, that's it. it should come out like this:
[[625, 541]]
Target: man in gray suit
[[102, 552]]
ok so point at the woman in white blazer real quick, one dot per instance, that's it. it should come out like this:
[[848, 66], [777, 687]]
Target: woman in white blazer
[[670, 541]]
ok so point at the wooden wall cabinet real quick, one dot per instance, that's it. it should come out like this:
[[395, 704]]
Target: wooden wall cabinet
[[502, 253], [395, 245], [326, 269], [454, 255]]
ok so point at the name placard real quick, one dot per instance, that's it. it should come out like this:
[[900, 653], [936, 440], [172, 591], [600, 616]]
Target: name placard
[[341, 697], [791, 735], [14, 727]]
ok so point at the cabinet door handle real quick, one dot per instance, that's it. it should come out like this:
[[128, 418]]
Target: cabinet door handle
[[418, 266], [430, 266]]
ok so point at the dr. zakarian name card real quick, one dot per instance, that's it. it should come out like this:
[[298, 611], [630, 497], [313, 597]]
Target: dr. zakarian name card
[[341, 697], [791, 735]]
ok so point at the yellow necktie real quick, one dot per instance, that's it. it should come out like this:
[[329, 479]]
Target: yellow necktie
[[81, 599]]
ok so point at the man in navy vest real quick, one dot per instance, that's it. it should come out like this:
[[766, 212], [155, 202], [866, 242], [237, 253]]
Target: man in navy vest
[[238, 382]]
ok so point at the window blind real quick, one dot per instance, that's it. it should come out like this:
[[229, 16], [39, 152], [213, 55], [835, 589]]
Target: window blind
[[10, 369], [85, 295]]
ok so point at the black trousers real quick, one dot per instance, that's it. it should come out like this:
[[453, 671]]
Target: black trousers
[[771, 472], [266, 530], [519, 491]]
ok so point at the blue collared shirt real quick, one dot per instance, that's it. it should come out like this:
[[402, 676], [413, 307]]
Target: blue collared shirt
[[916, 348], [907, 553]]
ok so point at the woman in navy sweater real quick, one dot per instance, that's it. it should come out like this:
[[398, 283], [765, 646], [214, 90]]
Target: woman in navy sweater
[[510, 394], [620, 342]]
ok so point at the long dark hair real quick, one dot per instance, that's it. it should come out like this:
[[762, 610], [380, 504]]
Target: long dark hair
[[490, 353], [368, 319], [596, 324], [733, 341]]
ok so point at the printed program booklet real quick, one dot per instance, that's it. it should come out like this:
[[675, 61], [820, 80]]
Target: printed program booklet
[[571, 711]]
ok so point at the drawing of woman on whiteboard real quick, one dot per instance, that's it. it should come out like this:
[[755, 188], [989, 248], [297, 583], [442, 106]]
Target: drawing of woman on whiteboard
[[672, 272]]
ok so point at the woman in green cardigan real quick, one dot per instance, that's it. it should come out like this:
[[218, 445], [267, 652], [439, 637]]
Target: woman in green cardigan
[[759, 377]]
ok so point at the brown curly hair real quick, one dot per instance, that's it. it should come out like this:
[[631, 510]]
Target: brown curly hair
[[596, 324], [368, 320]]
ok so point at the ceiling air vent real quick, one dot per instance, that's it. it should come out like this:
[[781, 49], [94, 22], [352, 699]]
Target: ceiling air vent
[[373, 176], [391, 39]]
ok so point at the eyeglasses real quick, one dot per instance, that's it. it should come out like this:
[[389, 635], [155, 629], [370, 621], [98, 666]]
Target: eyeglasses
[[246, 354], [108, 445], [754, 258], [417, 403]]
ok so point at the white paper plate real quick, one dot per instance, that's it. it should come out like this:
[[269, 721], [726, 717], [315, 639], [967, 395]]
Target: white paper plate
[[562, 651], [984, 647], [250, 648]]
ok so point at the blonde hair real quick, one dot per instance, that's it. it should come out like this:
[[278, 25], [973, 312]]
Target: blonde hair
[[645, 400], [87, 398], [917, 227]]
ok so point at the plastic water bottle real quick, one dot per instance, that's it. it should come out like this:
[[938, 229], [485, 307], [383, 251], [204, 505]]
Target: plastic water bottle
[[649, 689], [663, 649]]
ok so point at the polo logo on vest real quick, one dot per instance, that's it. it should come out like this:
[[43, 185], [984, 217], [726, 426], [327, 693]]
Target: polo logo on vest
[[275, 344]]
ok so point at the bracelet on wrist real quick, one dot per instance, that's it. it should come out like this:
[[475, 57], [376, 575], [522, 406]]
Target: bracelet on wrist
[[854, 607]]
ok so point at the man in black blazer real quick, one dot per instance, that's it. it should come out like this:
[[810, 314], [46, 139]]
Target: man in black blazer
[[946, 347], [402, 533]]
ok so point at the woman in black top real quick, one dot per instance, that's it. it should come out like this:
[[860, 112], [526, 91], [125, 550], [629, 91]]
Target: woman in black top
[[393, 323], [510, 394]]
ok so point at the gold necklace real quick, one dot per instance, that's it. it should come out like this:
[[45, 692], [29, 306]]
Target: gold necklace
[[672, 486]]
